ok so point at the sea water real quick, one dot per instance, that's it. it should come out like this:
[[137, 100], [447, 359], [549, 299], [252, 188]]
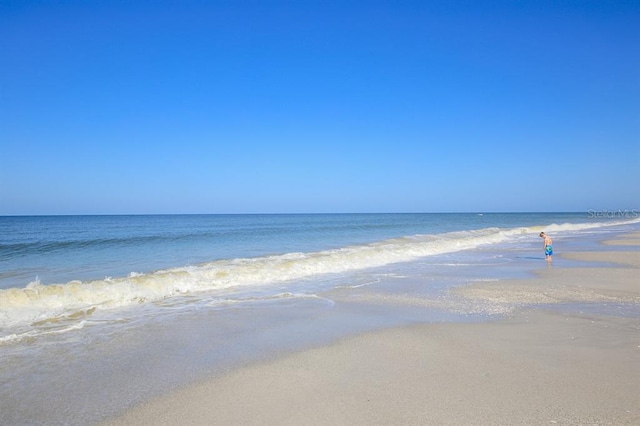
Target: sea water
[[101, 312]]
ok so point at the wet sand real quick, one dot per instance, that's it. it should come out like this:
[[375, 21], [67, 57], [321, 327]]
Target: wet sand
[[541, 365]]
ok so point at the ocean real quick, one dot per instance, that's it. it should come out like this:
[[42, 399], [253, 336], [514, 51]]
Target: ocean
[[98, 313]]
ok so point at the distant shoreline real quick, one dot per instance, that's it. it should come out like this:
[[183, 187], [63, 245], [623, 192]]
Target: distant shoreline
[[590, 214]]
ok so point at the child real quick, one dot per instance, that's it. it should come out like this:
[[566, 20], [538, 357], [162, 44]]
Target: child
[[548, 247]]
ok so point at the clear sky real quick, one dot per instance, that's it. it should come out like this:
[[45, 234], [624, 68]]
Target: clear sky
[[318, 106]]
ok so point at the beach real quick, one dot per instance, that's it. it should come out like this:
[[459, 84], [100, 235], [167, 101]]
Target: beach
[[319, 213], [548, 362]]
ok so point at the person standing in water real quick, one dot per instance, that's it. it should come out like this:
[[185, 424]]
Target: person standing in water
[[548, 247]]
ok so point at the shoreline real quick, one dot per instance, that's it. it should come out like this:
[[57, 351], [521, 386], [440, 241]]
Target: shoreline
[[538, 366]]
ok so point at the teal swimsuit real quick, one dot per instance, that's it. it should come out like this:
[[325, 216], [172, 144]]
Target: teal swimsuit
[[548, 250]]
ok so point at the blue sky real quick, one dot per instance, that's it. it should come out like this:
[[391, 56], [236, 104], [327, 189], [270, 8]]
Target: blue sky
[[111, 107]]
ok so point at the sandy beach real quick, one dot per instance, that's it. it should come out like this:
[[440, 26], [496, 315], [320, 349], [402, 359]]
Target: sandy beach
[[544, 364]]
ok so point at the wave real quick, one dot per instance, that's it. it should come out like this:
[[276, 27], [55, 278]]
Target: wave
[[37, 303], [45, 247]]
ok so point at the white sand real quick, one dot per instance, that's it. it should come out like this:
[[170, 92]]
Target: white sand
[[630, 239], [625, 258], [537, 367]]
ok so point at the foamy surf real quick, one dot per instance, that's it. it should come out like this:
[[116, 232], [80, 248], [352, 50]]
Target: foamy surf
[[71, 302]]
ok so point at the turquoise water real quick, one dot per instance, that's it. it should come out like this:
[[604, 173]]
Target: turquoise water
[[58, 249], [101, 312]]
